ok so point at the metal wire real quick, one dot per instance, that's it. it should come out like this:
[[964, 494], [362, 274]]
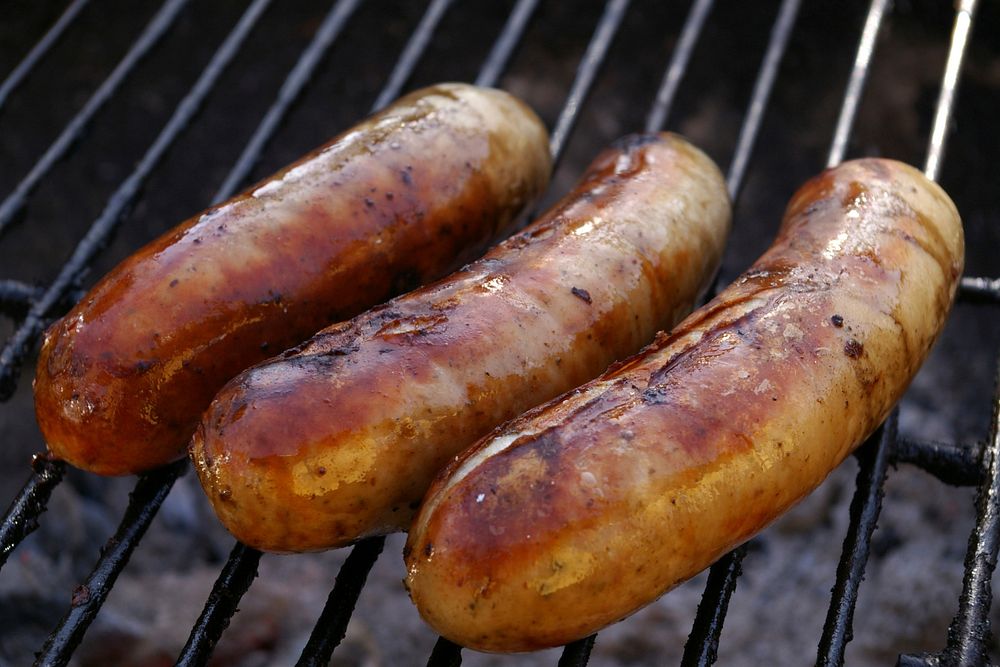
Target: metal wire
[[156, 29], [586, 72], [332, 625], [510, 37], [866, 504], [21, 518], [100, 230], [952, 464], [88, 597], [672, 77], [415, 48], [949, 87], [979, 290], [856, 84], [38, 51], [295, 82], [577, 654], [969, 631], [445, 654], [780, 33], [702, 646], [234, 580]]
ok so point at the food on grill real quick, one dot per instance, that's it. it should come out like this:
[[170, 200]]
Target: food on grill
[[400, 199], [340, 438], [583, 510]]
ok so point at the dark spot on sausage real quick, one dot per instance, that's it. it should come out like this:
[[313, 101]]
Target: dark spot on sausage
[[197, 241], [428, 550], [143, 366], [369, 203], [263, 346], [173, 283], [320, 471], [341, 351], [405, 175], [837, 320], [853, 348], [414, 504], [655, 395], [388, 195], [225, 493], [581, 293]]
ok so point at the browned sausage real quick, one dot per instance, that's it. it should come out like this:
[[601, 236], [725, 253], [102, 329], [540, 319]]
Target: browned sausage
[[397, 200], [341, 438], [582, 511]]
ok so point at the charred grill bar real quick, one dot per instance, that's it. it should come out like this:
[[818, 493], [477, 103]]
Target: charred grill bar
[[951, 463]]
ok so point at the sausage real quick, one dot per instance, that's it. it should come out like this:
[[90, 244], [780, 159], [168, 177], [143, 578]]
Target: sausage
[[583, 510], [400, 199], [339, 439]]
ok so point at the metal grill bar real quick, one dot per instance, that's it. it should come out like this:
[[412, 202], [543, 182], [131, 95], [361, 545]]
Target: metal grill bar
[[957, 465], [19, 344], [411, 53], [969, 631], [780, 33], [591, 62], [290, 90], [16, 296], [856, 84], [577, 654], [88, 597], [503, 48], [233, 582], [678, 65], [445, 654], [702, 646], [37, 52], [22, 516], [865, 507], [949, 87], [156, 29], [979, 290], [332, 624]]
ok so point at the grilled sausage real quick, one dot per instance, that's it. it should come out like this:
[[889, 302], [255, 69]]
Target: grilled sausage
[[340, 439], [400, 199], [585, 509]]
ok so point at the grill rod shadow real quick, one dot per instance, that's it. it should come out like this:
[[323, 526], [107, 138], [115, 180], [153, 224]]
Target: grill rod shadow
[[155, 29]]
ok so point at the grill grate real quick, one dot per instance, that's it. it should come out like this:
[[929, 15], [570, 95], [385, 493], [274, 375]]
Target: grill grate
[[952, 464]]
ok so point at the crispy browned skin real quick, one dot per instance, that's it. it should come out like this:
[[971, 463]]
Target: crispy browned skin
[[398, 200], [586, 509], [341, 438]]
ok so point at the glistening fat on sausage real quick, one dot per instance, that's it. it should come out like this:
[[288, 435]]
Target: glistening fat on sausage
[[582, 511], [339, 439], [396, 201]]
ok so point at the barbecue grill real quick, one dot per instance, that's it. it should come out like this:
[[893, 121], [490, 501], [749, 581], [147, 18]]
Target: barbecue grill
[[257, 73]]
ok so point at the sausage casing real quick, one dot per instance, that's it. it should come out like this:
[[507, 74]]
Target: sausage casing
[[585, 509], [340, 439], [398, 200]]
